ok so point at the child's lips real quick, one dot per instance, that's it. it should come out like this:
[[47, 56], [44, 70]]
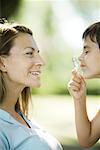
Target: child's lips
[[82, 65]]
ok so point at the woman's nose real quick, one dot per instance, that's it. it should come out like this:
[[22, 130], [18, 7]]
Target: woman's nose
[[40, 61]]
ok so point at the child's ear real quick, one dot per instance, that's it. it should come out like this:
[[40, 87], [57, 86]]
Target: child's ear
[[2, 64]]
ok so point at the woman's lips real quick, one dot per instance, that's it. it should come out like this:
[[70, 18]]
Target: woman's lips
[[35, 72]]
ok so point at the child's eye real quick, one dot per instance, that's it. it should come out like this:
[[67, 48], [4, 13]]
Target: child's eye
[[86, 52], [38, 51]]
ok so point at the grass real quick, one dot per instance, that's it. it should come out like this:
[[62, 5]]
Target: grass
[[56, 115]]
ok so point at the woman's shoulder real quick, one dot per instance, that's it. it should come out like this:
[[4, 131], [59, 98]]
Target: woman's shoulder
[[36, 136], [42, 136], [4, 141]]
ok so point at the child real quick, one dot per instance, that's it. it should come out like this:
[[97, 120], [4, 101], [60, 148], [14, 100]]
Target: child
[[88, 132]]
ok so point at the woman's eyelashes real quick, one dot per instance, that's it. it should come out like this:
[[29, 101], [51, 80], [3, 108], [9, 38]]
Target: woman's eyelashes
[[32, 53], [29, 54]]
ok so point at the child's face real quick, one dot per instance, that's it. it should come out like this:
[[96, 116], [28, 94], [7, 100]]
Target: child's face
[[90, 59]]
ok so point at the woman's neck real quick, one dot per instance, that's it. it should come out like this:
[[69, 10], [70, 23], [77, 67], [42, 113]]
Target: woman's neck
[[10, 101], [13, 92]]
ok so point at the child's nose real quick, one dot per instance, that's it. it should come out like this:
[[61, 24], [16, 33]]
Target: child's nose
[[80, 58]]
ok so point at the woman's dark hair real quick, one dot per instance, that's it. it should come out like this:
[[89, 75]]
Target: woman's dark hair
[[93, 32], [8, 32]]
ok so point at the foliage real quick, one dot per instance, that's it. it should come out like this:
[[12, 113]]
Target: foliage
[[9, 8], [56, 52], [87, 8], [93, 87]]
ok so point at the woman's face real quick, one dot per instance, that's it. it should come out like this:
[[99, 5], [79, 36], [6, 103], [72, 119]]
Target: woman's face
[[90, 59], [23, 65]]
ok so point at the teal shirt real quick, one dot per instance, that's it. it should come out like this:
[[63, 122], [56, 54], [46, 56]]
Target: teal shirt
[[16, 136]]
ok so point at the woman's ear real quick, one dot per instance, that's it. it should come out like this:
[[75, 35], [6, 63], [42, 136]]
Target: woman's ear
[[2, 64]]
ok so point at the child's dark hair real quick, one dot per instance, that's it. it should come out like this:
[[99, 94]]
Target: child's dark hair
[[93, 31]]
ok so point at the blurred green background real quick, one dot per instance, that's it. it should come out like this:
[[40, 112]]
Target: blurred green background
[[57, 27]]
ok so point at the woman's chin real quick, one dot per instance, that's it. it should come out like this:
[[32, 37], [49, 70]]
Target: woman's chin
[[35, 85]]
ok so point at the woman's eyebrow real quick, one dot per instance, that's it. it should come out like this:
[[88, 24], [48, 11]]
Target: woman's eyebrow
[[30, 48]]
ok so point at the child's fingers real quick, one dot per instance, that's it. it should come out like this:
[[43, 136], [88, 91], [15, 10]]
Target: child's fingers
[[74, 85], [76, 73], [76, 77], [83, 82], [77, 81], [83, 79], [74, 88]]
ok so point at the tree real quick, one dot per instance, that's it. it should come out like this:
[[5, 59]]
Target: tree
[[9, 8]]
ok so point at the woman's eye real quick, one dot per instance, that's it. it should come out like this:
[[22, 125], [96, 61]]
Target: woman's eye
[[29, 53]]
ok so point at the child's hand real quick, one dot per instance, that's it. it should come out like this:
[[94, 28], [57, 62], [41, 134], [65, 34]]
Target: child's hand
[[77, 86]]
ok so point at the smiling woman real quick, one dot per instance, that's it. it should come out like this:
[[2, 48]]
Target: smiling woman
[[20, 69]]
